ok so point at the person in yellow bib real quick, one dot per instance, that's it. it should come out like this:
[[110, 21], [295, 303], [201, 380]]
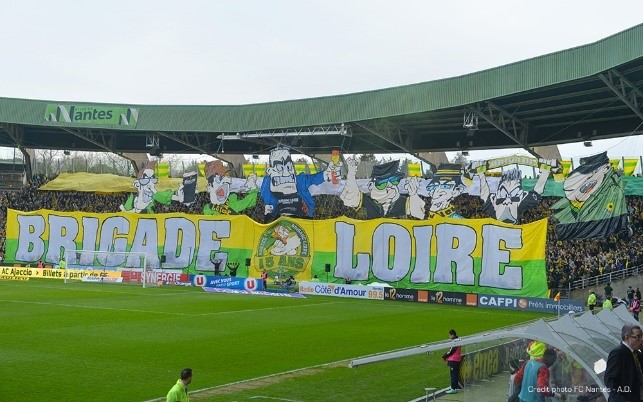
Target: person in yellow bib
[[179, 392], [591, 301], [62, 264]]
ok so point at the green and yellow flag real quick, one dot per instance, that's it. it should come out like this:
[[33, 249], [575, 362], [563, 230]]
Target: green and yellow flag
[[594, 203], [629, 166], [162, 169]]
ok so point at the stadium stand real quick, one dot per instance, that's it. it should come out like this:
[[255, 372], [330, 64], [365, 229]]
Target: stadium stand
[[567, 261]]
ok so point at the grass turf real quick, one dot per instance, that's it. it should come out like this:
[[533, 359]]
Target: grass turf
[[82, 341]]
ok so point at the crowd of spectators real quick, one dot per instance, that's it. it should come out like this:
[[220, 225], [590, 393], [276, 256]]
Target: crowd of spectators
[[566, 261]]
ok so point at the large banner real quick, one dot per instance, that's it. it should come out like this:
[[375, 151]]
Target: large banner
[[594, 203], [459, 255]]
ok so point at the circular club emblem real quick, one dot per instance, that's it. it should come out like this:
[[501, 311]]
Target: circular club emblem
[[283, 249], [522, 303]]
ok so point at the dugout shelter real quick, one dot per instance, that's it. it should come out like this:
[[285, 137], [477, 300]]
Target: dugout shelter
[[586, 339]]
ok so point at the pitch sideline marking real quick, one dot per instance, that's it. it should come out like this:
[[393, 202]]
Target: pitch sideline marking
[[263, 309], [94, 307], [157, 312], [263, 377], [410, 305], [492, 311]]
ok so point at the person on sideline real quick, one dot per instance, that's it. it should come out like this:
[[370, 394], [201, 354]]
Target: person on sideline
[[179, 392], [453, 358], [635, 308], [533, 376], [264, 279], [623, 375], [591, 301], [608, 290], [630, 296], [607, 304]]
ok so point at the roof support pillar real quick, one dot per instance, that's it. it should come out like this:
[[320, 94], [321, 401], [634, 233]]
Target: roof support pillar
[[436, 158], [16, 133], [548, 152], [137, 159]]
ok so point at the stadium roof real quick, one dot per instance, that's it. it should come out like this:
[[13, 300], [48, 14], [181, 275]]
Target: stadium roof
[[589, 92], [587, 339]]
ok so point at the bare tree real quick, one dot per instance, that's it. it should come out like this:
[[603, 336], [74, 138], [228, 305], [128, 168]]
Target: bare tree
[[48, 161], [368, 158], [107, 162], [118, 164]]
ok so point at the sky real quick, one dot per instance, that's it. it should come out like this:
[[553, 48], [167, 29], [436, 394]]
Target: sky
[[241, 52]]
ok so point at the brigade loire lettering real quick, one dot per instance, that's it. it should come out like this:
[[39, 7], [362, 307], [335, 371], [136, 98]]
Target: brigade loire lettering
[[181, 237], [454, 244], [445, 252]]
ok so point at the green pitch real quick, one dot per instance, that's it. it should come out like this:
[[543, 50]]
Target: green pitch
[[100, 342]]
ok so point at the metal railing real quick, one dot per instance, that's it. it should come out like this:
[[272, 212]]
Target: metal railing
[[608, 277]]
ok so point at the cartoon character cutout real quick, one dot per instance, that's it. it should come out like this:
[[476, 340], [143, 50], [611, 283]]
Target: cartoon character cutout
[[222, 201], [510, 201], [146, 193], [287, 193], [443, 188], [286, 243], [383, 198], [594, 203], [186, 194]]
